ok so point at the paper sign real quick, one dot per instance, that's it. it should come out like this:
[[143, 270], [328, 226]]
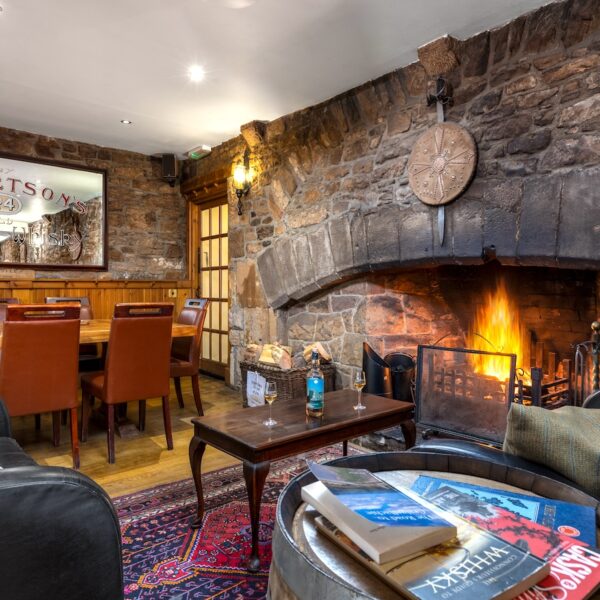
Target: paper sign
[[255, 388]]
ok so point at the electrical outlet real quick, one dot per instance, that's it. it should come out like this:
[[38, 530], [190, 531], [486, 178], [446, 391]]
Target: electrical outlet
[[172, 293]]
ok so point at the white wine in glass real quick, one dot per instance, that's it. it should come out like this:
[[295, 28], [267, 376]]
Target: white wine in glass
[[358, 382], [270, 397]]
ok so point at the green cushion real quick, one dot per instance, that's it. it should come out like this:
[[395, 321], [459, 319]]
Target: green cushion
[[566, 439]]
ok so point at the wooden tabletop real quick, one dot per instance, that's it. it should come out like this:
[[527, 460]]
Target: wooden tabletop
[[98, 330], [246, 426]]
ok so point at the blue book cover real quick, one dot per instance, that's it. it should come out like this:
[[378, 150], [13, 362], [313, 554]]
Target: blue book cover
[[374, 499], [570, 519]]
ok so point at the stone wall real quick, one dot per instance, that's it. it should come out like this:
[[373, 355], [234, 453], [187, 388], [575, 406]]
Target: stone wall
[[147, 222], [332, 199]]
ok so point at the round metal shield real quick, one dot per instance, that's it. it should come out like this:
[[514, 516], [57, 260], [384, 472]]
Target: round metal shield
[[442, 163]]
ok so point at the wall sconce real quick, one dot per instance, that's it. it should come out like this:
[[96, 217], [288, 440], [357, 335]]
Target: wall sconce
[[242, 179]]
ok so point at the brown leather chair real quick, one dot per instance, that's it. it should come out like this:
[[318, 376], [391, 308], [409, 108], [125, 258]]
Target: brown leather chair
[[137, 366], [90, 359], [38, 365], [4, 302], [185, 352]]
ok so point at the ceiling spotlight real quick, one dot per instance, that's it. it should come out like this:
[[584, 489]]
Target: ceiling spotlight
[[196, 73], [126, 121]]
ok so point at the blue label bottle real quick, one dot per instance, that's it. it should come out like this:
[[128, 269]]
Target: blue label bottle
[[315, 388]]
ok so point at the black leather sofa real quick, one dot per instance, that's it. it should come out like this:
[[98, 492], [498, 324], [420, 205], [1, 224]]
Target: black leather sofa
[[59, 533]]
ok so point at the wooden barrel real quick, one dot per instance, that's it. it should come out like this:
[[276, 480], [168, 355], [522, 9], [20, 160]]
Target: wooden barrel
[[306, 566]]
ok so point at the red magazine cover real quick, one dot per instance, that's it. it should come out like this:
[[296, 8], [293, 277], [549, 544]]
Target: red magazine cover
[[574, 565]]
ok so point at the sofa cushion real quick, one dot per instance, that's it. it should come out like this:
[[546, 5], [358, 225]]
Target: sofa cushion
[[565, 440], [12, 455]]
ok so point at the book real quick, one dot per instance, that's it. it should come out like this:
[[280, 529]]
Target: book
[[574, 565], [474, 566], [385, 522], [568, 518]]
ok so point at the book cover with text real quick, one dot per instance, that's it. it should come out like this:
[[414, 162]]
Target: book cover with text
[[568, 518]]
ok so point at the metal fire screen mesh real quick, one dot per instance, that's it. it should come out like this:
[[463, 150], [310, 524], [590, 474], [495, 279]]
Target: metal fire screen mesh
[[451, 397]]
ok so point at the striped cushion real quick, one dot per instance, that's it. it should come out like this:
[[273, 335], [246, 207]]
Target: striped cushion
[[566, 440]]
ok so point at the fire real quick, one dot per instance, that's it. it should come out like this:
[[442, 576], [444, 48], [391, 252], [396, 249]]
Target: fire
[[496, 328]]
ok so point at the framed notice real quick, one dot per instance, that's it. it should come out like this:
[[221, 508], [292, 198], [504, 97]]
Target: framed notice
[[52, 215]]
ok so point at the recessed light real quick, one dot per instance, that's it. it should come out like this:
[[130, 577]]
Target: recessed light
[[126, 121], [196, 73]]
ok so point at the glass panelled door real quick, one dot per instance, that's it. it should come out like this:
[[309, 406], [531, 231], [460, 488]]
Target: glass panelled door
[[213, 265]]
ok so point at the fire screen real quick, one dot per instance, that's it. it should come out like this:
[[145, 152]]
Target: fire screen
[[464, 392]]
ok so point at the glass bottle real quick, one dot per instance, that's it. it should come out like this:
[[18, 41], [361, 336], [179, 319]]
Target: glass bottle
[[315, 388]]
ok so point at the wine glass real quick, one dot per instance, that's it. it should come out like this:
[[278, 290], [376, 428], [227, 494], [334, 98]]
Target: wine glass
[[270, 397], [359, 381]]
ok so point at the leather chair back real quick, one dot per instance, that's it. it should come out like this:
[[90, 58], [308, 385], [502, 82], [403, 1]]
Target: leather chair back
[[188, 349], [201, 303], [84, 302], [4, 302], [139, 348], [39, 361]]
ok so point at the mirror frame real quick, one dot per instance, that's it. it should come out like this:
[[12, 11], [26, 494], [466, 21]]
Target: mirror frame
[[104, 218]]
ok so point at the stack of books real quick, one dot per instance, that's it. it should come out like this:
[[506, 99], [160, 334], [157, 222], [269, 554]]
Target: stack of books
[[444, 540]]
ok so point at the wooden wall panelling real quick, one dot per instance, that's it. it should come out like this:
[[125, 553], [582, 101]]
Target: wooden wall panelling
[[103, 295]]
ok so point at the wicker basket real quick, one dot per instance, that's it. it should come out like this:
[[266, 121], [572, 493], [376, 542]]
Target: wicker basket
[[291, 384]]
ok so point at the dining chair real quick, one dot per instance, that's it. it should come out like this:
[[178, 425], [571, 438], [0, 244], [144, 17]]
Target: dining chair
[[185, 352], [4, 302], [137, 367], [38, 364], [90, 359]]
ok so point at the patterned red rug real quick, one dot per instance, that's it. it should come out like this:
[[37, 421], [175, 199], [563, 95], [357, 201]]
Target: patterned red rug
[[164, 558]]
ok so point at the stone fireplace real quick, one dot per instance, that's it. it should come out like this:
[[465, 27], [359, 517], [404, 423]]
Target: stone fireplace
[[334, 246]]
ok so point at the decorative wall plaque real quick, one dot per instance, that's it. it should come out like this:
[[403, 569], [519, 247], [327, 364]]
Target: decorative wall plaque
[[442, 163]]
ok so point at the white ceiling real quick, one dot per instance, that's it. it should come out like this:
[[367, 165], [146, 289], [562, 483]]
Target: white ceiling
[[75, 68]]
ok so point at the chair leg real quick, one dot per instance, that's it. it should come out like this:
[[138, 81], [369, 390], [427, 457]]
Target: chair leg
[[167, 420], [177, 382], [197, 397], [56, 428], [38, 422], [110, 432], [142, 415], [86, 407], [74, 438]]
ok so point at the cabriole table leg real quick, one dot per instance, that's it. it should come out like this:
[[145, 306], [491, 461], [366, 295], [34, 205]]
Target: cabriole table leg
[[255, 475], [197, 447]]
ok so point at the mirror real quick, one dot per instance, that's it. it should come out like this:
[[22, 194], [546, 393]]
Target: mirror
[[52, 215]]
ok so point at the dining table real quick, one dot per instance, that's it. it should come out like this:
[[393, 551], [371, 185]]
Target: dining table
[[95, 331]]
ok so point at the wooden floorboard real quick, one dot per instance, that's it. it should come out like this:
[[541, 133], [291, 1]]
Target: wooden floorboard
[[142, 461]]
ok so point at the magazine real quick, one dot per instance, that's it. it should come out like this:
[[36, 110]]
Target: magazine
[[387, 523], [474, 566], [574, 565], [568, 518]]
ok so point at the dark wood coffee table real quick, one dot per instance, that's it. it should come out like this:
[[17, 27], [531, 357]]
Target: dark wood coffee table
[[241, 434]]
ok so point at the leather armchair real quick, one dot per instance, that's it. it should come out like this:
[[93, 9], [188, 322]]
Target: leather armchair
[[59, 534]]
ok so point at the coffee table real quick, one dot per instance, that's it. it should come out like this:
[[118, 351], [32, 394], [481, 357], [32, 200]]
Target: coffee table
[[241, 434]]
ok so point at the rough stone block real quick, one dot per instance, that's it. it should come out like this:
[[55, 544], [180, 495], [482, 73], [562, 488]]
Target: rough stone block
[[580, 112], [268, 269], [302, 261], [321, 257], [341, 245], [474, 53], [540, 208], [382, 237], [358, 232], [500, 230], [438, 57], [467, 229], [578, 230], [415, 232]]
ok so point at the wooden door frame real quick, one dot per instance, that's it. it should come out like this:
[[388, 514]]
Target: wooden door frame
[[202, 194]]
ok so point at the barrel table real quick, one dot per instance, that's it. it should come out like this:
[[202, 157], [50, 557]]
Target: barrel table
[[307, 566]]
